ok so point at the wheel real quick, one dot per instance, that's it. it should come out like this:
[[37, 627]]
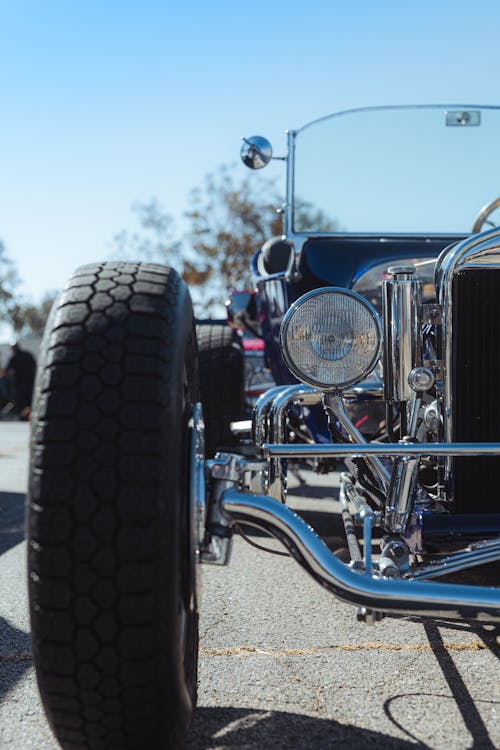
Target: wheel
[[221, 383], [111, 572]]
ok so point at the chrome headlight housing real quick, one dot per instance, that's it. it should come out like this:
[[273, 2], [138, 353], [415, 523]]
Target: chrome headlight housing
[[331, 338]]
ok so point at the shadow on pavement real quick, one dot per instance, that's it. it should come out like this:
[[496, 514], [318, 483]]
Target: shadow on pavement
[[463, 699], [11, 519], [249, 729], [15, 655], [310, 491]]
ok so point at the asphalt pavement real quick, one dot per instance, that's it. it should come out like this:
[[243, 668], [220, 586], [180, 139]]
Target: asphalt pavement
[[282, 664]]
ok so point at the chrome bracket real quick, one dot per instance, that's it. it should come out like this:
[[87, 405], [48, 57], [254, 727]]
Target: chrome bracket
[[399, 505], [394, 560], [232, 467], [197, 506], [436, 367], [334, 405], [369, 616], [225, 471]]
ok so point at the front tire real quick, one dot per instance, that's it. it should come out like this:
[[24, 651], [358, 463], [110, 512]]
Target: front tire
[[112, 600]]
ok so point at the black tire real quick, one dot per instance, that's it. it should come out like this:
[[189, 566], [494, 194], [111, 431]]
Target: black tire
[[221, 383], [113, 614]]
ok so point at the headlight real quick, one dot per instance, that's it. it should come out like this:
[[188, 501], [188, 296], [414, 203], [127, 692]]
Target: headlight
[[330, 338]]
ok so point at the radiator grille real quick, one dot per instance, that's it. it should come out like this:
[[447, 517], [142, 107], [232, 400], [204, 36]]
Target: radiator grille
[[476, 387]]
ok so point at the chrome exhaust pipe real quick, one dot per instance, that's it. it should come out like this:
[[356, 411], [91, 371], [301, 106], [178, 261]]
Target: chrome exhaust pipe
[[421, 598]]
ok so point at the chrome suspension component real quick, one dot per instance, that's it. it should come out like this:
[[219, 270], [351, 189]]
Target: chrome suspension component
[[364, 514], [401, 489], [479, 553], [225, 471], [334, 405], [395, 557]]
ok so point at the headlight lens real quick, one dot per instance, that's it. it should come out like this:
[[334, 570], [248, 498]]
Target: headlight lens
[[330, 338]]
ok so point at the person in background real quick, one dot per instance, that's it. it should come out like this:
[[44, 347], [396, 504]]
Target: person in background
[[21, 369]]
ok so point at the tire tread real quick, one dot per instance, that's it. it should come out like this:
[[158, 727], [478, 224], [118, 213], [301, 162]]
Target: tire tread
[[102, 393]]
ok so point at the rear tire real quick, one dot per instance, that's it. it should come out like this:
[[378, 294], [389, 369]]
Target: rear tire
[[221, 383], [112, 600]]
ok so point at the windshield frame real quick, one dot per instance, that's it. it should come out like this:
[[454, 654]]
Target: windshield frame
[[299, 237]]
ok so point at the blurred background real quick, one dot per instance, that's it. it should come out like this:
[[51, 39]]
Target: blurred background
[[121, 123]]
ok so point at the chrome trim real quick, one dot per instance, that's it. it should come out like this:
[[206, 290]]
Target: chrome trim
[[293, 395], [480, 251], [352, 541], [298, 238], [367, 389], [414, 411], [359, 502], [477, 554], [256, 152], [421, 598], [242, 427], [198, 510], [483, 215], [260, 414], [394, 557], [400, 496], [343, 112], [401, 300], [290, 186], [337, 450], [334, 404], [421, 379], [261, 432], [292, 311], [364, 512]]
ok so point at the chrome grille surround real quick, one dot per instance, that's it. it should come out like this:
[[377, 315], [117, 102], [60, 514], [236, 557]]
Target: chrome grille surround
[[480, 251]]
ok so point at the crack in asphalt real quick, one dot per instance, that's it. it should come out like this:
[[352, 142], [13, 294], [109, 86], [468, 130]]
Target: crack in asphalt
[[426, 648], [16, 657], [213, 626]]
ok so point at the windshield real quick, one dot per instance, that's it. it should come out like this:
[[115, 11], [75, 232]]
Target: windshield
[[396, 170]]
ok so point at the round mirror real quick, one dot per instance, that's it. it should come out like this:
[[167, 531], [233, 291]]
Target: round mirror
[[256, 152]]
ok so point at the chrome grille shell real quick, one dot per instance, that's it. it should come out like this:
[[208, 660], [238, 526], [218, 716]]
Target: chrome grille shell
[[478, 252]]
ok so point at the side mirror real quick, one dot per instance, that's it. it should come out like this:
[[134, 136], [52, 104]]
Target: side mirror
[[241, 310], [256, 152]]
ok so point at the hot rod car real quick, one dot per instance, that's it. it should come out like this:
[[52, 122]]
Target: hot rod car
[[379, 312]]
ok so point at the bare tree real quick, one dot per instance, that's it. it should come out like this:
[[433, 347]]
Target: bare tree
[[9, 280], [229, 220], [30, 318]]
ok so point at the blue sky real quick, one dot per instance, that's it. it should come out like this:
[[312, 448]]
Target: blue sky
[[107, 103]]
